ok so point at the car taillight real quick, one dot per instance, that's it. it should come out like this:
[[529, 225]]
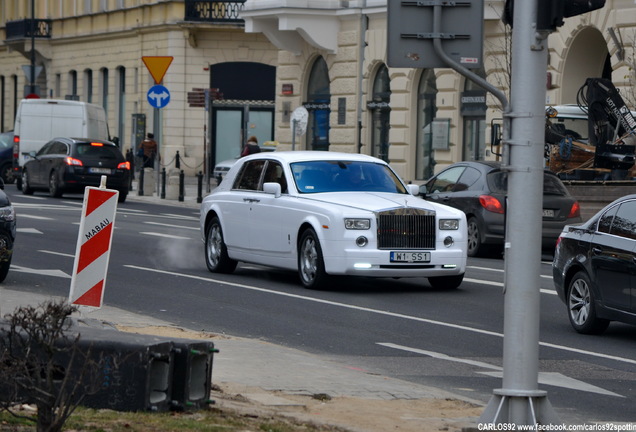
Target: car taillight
[[72, 161], [575, 211], [16, 147], [491, 204], [124, 166]]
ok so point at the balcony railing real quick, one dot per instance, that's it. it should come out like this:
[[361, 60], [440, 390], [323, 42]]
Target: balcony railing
[[22, 29], [214, 11]]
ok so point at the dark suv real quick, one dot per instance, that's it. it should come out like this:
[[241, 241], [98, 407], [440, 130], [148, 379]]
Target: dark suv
[[71, 164], [480, 189]]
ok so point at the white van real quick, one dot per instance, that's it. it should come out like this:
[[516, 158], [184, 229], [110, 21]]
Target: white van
[[40, 120]]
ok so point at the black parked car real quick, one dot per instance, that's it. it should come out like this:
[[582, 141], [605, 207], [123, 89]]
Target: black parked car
[[594, 268], [479, 189], [7, 232], [71, 164]]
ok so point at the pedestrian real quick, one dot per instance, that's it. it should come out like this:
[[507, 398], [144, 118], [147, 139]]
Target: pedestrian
[[251, 147], [148, 151]]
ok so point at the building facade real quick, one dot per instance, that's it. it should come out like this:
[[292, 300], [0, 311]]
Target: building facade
[[265, 59]]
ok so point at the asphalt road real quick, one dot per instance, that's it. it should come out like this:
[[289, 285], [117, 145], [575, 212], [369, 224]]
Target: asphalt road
[[399, 328]]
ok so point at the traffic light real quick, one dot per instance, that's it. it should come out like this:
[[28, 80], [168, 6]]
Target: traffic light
[[550, 13]]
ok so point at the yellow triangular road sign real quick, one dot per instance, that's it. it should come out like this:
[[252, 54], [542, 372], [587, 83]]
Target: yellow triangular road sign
[[157, 65]]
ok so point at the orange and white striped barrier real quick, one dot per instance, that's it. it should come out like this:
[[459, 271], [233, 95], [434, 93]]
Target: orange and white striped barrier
[[93, 246]]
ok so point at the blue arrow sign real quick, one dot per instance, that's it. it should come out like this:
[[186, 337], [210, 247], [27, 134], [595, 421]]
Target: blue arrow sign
[[158, 96]]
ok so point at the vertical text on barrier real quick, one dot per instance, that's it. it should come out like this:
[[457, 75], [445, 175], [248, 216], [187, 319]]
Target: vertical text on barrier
[[93, 246]]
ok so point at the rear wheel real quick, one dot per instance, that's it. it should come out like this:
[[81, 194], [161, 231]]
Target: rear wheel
[[446, 282], [216, 256], [54, 185], [26, 186], [581, 307], [6, 172], [311, 265], [474, 237], [122, 197]]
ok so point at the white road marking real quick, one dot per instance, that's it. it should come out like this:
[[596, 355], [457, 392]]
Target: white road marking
[[380, 312], [29, 231], [172, 226], [548, 378], [501, 284], [501, 270], [28, 216], [41, 272], [57, 253], [165, 235]]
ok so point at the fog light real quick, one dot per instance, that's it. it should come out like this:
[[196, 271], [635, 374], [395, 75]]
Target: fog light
[[362, 241], [448, 241]]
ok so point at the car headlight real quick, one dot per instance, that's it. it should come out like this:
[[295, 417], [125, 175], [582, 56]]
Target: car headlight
[[7, 213], [449, 224], [357, 224]]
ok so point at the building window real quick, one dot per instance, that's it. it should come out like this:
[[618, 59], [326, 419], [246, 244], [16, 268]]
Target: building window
[[426, 111], [318, 105], [88, 85], [72, 86], [104, 88], [2, 102], [473, 111], [380, 112], [121, 103]]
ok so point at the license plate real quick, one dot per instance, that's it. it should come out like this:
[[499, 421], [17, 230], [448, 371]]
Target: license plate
[[410, 257], [549, 213], [99, 170]]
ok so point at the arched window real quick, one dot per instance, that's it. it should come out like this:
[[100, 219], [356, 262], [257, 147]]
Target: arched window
[[473, 110], [318, 105], [380, 111], [426, 111]]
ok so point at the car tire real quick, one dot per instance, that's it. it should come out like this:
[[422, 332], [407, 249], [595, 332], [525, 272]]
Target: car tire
[[216, 256], [6, 172], [581, 307], [122, 197], [474, 237], [446, 282], [26, 187], [54, 185], [311, 265], [6, 250]]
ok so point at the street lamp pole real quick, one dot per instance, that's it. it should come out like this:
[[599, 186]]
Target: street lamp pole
[[32, 26]]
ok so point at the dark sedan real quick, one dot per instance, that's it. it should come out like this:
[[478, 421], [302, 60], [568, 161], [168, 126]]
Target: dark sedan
[[479, 189], [594, 268], [70, 164]]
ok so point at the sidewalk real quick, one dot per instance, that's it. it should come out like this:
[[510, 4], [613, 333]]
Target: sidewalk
[[260, 378]]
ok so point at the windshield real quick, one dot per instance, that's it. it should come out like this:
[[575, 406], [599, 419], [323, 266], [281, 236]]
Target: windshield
[[345, 176]]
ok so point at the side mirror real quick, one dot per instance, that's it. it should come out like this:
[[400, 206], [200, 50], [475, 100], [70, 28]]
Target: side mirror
[[413, 189], [272, 188]]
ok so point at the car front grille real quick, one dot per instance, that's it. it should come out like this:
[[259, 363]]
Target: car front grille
[[406, 228]]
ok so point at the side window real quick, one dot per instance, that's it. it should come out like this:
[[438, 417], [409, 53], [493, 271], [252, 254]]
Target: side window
[[275, 173], [250, 175], [467, 179], [605, 222], [46, 149], [624, 224], [58, 148], [445, 181]]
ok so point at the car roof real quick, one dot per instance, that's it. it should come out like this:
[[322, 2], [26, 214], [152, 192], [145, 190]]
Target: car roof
[[83, 140], [305, 156]]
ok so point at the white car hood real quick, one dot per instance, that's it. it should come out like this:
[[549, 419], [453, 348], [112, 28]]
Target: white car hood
[[372, 201]]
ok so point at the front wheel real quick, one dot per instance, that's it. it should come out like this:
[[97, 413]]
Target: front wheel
[[26, 186], [581, 307], [216, 256], [446, 282], [311, 265]]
